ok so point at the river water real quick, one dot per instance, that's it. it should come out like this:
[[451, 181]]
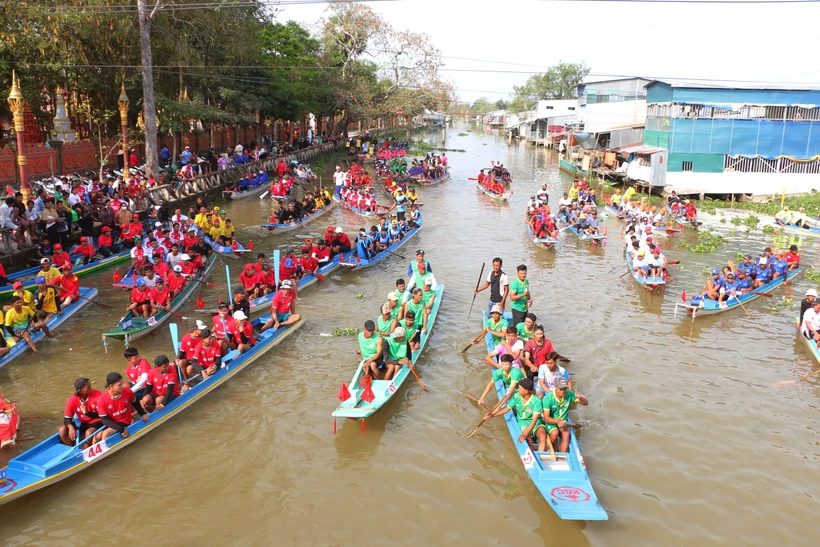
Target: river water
[[685, 438]]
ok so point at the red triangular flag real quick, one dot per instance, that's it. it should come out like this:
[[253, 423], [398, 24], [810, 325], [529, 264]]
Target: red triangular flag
[[683, 297], [199, 303], [219, 299], [344, 393], [117, 276], [367, 394], [234, 245], [250, 245], [9, 190]]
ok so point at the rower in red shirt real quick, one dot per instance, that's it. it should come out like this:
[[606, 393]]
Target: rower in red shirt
[[321, 253], [60, 258], [289, 266], [163, 385], [105, 242], [283, 308], [792, 257], [114, 407], [250, 280], [188, 268], [329, 236], [135, 228], [83, 405], [187, 346], [136, 371], [224, 328], [190, 239], [162, 269], [140, 300], [267, 280], [87, 250], [160, 295], [243, 335], [69, 286], [307, 263], [176, 281], [206, 357]]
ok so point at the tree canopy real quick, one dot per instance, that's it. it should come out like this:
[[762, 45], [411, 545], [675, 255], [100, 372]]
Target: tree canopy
[[235, 64], [559, 82]]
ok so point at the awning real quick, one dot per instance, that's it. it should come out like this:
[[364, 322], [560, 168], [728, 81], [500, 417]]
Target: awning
[[638, 149]]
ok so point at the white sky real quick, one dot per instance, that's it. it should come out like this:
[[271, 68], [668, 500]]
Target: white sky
[[766, 42]]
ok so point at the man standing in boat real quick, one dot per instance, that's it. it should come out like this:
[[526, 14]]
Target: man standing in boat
[[520, 298], [499, 286]]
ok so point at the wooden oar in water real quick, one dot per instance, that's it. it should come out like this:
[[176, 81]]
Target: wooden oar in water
[[475, 341], [787, 382], [474, 399], [496, 407], [480, 275]]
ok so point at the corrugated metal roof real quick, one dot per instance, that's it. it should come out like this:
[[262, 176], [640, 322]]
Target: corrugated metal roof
[[638, 149], [732, 84]]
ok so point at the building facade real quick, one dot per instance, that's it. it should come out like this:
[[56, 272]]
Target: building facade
[[726, 138]]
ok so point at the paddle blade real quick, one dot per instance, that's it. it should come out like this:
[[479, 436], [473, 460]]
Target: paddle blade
[[683, 296], [199, 303], [344, 393], [787, 382], [250, 245], [117, 277]]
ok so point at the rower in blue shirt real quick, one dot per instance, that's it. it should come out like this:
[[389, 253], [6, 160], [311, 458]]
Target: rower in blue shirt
[[779, 267], [762, 272], [383, 240], [746, 266], [744, 282], [729, 288]]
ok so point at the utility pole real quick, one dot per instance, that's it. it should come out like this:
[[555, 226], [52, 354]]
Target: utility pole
[[149, 109]]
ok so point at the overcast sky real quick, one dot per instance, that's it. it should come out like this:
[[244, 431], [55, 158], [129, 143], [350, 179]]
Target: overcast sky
[[766, 42]]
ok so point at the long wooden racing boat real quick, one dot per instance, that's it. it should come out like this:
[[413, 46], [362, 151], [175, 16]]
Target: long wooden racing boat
[[544, 242], [812, 231], [27, 276], [55, 321], [681, 219], [430, 182], [354, 260], [583, 237], [648, 283], [263, 302], [564, 482], [250, 192], [288, 226], [810, 344], [383, 390], [361, 212], [699, 305], [500, 197], [51, 461], [131, 327]]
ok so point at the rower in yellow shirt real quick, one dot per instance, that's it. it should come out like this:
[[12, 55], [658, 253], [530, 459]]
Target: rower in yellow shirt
[[228, 229], [629, 193], [574, 192], [216, 230]]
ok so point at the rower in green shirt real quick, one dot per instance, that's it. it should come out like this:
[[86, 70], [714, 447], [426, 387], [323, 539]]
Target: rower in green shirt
[[520, 299], [496, 325], [399, 292], [428, 295], [395, 308], [396, 352], [556, 410], [422, 276], [416, 305], [526, 330], [509, 376], [528, 410], [385, 322], [370, 348], [413, 336], [414, 265]]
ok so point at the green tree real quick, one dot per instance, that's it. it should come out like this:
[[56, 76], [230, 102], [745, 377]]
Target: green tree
[[559, 82]]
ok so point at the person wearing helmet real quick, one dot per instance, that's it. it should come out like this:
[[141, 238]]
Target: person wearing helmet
[[141, 300]]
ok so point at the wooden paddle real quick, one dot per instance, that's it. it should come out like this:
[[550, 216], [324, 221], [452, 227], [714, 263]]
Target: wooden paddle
[[204, 282], [413, 370], [175, 314], [766, 294], [94, 301], [496, 407], [474, 399], [787, 382], [480, 276], [551, 448], [475, 341], [673, 262]]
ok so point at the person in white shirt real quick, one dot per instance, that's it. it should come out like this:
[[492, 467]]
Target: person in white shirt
[[811, 322], [639, 264], [547, 374], [544, 195], [178, 216], [339, 179]]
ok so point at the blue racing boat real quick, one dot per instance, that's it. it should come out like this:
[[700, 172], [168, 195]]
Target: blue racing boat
[[648, 283], [367, 214], [812, 231], [357, 260], [355, 407], [500, 197], [288, 226], [681, 219], [700, 305], [576, 231], [544, 242], [563, 482], [51, 461], [55, 321]]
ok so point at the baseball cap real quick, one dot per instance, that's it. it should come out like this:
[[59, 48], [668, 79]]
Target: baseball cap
[[369, 325], [526, 383], [410, 314], [560, 382], [177, 268], [385, 308], [158, 224], [641, 253], [39, 279], [240, 315], [83, 238], [185, 256], [715, 271], [248, 267], [339, 230], [140, 282], [496, 309], [392, 296], [398, 333], [428, 281], [17, 285], [80, 383], [810, 292], [286, 284], [200, 325]]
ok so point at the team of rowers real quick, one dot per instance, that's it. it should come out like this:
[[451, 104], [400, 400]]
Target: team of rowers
[[490, 182], [798, 218], [538, 389], [387, 344], [731, 282], [431, 167], [296, 210], [538, 216], [362, 199]]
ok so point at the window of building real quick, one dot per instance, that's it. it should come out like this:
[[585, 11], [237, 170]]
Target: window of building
[[687, 166], [570, 108], [549, 107]]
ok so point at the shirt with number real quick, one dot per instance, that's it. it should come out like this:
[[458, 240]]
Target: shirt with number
[[559, 409], [206, 356], [119, 409], [525, 410]]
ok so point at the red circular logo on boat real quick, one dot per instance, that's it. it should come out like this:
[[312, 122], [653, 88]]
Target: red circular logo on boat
[[7, 486], [570, 494]]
